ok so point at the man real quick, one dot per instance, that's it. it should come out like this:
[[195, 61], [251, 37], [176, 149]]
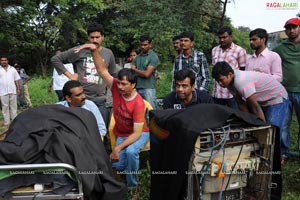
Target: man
[[26, 91], [24, 78], [9, 89], [145, 65], [58, 81], [263, 60], [94, 87], [129, 108], [255, 92], [192, 59], [75, 97], [235, 56], [289, 51], [176, 45], [185, 93]]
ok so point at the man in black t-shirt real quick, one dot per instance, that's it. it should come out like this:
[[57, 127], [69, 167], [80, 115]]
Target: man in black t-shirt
[[185, 93]]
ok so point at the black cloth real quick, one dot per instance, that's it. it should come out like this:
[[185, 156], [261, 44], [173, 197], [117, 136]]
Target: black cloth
[[56, 134], [172, 101], [173, 135]]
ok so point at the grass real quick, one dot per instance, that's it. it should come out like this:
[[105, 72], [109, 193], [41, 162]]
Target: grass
[[290, 172]]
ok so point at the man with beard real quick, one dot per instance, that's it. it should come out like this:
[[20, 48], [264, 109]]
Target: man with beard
[[75, 97], [145, 65], [192, 59], [235, 56], [185, 93], [93, 85], [289, 51], [263, 60]]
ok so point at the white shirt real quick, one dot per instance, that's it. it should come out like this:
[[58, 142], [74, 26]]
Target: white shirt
[[60, 80], [7, 80]]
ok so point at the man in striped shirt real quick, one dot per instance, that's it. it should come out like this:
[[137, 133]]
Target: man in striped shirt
[[235, 56], [259, 93]]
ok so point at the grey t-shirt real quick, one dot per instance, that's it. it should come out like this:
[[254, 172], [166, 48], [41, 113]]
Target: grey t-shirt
[[93, 85]]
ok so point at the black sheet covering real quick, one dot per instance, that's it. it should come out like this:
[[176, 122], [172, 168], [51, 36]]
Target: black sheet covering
[[173, 135], [56, 134]]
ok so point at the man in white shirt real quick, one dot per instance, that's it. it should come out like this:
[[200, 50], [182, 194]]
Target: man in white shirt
[[9, 89], [58, 81]]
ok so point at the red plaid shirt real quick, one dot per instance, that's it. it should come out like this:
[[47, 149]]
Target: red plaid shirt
[[236, 57]]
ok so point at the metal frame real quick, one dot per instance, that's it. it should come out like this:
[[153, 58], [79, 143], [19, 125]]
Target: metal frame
[[78, 194], [268, 139]]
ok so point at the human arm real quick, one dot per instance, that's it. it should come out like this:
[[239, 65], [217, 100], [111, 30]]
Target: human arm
[[204, 75], [60, 59], [144, 73], [18, 87], [276, 68], [98, 62], [255, 107], [137, 132], [242, 59], [100, 122]]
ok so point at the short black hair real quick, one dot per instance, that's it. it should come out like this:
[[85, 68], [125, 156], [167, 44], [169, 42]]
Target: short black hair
[[221, 68], [144, 38], [261, 33], [130, 75], [187, 34], [4, 56], [70, 85], [176, 37], [185, 73], [95, 27], [225, 29]]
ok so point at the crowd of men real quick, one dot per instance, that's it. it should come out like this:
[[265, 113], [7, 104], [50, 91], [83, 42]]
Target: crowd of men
[[266, 84]]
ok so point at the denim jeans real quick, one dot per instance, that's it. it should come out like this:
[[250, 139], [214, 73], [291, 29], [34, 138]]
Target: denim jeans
[[275, 115], [293, 104], [149, 95], [129, 158]]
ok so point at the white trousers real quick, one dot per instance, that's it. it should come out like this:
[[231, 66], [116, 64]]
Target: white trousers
[[9, 107]]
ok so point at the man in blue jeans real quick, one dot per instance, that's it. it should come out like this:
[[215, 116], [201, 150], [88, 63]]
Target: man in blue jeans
[[255, 92], [289, 51], [145, 65], [129, 108]]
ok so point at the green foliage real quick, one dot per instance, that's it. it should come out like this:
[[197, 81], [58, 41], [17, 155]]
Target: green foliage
[[38, 90]]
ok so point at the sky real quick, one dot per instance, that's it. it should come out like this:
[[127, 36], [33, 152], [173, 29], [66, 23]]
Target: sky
[[256, 14]]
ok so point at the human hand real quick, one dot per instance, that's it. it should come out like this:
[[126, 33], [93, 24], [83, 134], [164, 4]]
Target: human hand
[[74, 76], [115, 155], [90, 46], [133, 66]]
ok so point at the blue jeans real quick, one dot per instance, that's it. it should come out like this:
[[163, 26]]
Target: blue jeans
[[293, 104], [275, 115], [129, 158], [149, 95], [231, 103]]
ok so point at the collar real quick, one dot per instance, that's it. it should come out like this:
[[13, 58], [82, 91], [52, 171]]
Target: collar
[[179, 105], [145, 54], [263, 53], [191, 55]]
